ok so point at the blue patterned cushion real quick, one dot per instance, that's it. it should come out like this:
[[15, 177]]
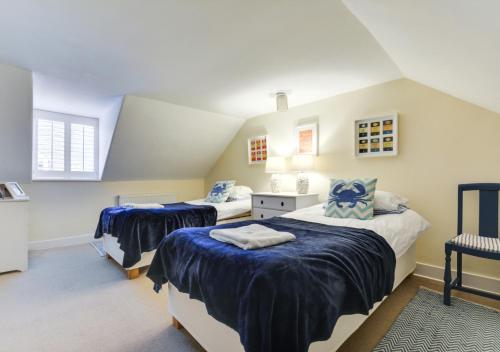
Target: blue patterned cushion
[[351, 198], [220, 191]]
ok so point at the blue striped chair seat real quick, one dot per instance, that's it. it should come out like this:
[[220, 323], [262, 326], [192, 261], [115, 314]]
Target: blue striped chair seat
[[478, 242]]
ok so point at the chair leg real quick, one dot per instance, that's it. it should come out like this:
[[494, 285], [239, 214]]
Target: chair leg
[[459, 269], [447, 278]]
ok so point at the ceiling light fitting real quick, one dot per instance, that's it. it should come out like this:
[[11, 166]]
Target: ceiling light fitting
[[281, 102]]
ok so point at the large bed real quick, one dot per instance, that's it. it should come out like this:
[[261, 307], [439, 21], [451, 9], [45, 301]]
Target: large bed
[[130, 235], [385, 247]]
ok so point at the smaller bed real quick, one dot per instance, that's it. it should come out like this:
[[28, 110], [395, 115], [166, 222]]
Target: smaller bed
[[131, 235]]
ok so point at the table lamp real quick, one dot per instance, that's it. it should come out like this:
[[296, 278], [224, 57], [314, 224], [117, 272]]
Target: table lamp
[[275, 165], [301, 164]]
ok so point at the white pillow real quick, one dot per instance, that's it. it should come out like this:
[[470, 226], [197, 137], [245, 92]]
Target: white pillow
[[388, 201], [239, 193]]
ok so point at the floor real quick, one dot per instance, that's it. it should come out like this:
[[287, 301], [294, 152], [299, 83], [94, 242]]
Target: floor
[[71, 299]]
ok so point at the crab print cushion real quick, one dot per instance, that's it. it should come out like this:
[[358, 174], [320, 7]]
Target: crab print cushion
[[351, 198], [220, 191]]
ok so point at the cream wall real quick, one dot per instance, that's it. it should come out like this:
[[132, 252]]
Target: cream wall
[[63, 209], [443, 142]]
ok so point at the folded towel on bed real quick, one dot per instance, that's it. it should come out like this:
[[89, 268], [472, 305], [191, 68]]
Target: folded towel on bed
[[143, 205], [251, 236]]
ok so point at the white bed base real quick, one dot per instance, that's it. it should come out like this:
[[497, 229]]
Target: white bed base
[[215, 336], [112, 249]]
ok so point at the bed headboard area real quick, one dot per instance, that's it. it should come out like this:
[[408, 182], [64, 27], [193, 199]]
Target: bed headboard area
[[146, 198]]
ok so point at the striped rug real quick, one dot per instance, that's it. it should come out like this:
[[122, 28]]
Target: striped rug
[[426, 324]]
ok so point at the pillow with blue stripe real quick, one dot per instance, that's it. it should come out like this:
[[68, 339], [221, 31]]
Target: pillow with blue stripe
[[351, 198], [400, 210], [220, 191]]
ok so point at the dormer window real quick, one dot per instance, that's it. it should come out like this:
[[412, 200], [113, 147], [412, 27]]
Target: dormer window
[[65, 147]]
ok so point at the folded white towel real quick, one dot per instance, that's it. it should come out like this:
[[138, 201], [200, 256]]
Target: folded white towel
[[143, 205], [251, 236]]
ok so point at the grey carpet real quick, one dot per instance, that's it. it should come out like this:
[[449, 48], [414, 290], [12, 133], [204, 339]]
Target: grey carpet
[[72, 300], [427, 325]]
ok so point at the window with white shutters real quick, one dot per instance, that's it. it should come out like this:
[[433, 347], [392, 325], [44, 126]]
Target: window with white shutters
[[65, 147]]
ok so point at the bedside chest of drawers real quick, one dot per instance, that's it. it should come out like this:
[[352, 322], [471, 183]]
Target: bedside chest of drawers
[[266, 205]]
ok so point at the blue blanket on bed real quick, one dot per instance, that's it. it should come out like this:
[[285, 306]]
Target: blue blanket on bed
[[141, 230], [285, 297]]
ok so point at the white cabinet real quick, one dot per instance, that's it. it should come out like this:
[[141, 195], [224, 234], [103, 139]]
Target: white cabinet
[[13, 235], [267, 205]]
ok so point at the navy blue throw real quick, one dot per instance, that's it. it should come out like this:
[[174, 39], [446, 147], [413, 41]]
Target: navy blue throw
[[284, 297], [141, 230]]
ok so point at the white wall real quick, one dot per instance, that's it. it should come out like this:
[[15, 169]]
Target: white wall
[[158, 140], [107, 125], [15, 124]]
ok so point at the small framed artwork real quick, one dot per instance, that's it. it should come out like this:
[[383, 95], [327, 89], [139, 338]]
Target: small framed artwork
[[306, 139], [376, 136], [258, 148]]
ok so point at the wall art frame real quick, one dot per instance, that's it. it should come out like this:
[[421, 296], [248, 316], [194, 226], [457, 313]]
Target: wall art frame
[[258, 149], [306, 139], [376, 136]]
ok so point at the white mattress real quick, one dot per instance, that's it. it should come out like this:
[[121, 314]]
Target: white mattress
[[227, 210], [399, 230]]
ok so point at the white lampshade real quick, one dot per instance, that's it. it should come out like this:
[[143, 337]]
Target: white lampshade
[[303, 162], [275, 165]]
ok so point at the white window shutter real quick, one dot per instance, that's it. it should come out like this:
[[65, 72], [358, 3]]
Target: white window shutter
[[82, 148], [89, 148], [65, 146], [50, 146]]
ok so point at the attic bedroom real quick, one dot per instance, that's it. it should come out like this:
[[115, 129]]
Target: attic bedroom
[[257, 176]]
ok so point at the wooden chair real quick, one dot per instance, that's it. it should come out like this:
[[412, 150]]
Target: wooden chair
[[485, 244]]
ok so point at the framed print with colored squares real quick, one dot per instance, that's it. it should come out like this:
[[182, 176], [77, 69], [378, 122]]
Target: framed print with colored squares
[[306, 139], [258, 148], [376, 136]]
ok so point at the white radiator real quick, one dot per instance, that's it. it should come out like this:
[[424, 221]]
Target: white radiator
[[146, 198]]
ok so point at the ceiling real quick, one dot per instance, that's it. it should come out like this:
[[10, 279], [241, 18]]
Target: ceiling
[[450, 45], [53, 94], [227, 56], [223, 56]]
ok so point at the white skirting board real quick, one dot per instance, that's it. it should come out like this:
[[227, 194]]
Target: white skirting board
[[61, 242], [480, 282]]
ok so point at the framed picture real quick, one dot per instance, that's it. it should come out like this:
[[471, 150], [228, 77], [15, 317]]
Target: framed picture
[[258, 148], [376, 136], [306, 139]]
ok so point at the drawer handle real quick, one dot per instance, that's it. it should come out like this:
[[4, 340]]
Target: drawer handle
[[262, 216], [282, 204], [261, 202]]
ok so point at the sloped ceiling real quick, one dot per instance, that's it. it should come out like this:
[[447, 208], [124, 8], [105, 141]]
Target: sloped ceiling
[[223, 56], [158, 140], [64, 96], [450, 45]]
